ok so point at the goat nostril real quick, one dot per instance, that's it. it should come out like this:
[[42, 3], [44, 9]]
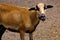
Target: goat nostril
[[42, 17]]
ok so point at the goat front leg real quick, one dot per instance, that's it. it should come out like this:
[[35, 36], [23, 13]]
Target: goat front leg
[[2, 30], [30, 36], [22, 34]]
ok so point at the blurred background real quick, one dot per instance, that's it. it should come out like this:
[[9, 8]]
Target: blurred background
[[47, 30]]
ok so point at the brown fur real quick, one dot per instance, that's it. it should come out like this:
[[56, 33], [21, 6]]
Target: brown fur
[[18, 18]]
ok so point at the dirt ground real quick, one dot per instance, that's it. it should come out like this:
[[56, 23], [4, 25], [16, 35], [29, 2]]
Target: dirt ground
[[47, 30]]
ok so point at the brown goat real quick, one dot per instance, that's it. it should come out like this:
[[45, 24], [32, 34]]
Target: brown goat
[[21, 19]]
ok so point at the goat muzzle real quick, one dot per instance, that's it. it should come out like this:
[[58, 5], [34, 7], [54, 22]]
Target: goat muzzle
[[42, 17]]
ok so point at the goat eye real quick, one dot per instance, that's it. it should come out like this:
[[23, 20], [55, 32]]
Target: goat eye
[[37, 8], [45, 7]]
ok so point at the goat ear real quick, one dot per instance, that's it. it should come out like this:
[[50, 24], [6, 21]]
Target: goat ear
[[47, 6], [33, 8]]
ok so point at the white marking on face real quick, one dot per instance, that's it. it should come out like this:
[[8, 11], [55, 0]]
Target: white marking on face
[[41, 7]]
